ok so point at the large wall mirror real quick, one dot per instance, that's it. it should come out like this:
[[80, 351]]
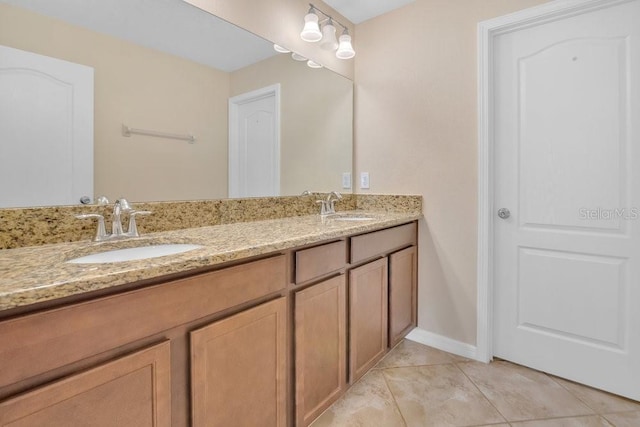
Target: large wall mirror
[[165, 66]]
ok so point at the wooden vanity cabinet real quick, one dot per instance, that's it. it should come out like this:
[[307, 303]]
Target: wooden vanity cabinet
[[133, 390], [125, 359], [368, 308], [345, 324], [403, 281], [238, 369], [321, 347], [268, 342]]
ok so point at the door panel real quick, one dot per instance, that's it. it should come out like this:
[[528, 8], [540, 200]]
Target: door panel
[[238, 369], [590, 288], [368, 316], [592, 74], [567, 165], [320, 347], [134, 390], [403, 272]]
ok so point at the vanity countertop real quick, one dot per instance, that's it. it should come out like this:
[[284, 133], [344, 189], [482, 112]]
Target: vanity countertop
[[40, 273]]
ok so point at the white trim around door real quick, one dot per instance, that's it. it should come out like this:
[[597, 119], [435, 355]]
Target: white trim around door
[[487, 31]]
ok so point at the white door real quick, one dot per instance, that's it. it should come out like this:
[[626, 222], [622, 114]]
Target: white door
[[567, 166], [254, 143], [46, 130]]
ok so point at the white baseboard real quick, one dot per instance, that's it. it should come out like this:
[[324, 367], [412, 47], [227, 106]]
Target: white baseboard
[[443, 343]]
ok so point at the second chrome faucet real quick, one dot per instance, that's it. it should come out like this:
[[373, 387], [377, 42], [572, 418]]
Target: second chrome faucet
[[328, 206], [120, 207]]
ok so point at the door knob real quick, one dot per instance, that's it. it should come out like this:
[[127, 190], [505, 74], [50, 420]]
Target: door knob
[[504, 213]]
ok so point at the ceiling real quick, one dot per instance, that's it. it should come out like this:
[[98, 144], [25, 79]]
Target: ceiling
[[171, 26], [180, 29], [358, 11]]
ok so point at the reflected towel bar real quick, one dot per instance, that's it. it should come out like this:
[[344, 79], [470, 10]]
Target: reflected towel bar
[[127, 131]]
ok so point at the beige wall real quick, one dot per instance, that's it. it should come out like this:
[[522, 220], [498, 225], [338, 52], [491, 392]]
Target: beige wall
[[415, 133], [280, 21], [138, 87], [316, 137]]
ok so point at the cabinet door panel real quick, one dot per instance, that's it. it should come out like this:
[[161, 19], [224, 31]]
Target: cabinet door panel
[[402, 293], [367, 316], [238, 369], [134, 390], [320, 347]]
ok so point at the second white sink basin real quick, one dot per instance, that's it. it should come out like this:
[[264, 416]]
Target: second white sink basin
[[134, 254], [351, 217]]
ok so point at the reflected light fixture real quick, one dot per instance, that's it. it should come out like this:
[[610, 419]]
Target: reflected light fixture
[[311, 30], [280, 49], [313, 64], [327, 37], [298, 57]]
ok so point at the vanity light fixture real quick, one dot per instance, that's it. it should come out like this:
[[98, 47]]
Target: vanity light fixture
[[311, 30], [327, 37], [345, 49], [313, 64], [329, 41]]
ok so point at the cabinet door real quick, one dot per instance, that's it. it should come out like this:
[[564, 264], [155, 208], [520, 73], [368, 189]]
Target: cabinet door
[[238, 369], [320, 347], [367, 316], [134, 390], [402, 293]]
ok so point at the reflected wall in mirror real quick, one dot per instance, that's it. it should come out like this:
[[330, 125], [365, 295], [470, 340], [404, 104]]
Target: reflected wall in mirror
[[167, 66]]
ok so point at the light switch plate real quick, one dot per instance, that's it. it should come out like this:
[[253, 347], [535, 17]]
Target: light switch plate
[[346, 180], [364, 180]]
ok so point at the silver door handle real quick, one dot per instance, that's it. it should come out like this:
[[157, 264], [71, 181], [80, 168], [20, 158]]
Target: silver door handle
[[504, 213]]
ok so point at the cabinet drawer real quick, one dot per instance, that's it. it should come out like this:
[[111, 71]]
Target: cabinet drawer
[[75, 332], [320, 260], [368, 245]]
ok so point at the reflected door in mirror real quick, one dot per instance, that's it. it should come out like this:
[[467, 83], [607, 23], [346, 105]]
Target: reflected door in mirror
[[254, 143], [46, 130]]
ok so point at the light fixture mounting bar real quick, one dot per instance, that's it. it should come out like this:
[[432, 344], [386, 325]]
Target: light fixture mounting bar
[[344, 27]]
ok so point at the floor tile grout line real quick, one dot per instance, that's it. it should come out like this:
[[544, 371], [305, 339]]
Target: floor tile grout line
[[415, 366], [483, 395], [393, 396], [595, 411]]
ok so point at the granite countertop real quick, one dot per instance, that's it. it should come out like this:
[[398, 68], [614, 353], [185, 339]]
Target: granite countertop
[[40, 273]]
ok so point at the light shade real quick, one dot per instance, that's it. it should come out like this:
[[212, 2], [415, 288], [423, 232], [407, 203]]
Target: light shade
[[311, 31], [280, 49], [313, 64], [298, 57], [345, 50], [329, 41]]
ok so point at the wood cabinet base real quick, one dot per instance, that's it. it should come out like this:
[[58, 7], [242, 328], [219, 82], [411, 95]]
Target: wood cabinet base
[[134, 390]]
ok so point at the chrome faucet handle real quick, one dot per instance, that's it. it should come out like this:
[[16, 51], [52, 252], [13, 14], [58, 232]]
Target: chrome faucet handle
[[116, 221], [124, 205], [332, 198], [132, 231], [335, 194], [324, 207], [101, 232]]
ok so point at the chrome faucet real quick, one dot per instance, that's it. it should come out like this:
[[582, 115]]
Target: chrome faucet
[[121, 206], [328, 206]]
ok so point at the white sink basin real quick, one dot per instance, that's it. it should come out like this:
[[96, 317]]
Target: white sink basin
[[134, 254], [351, 217]]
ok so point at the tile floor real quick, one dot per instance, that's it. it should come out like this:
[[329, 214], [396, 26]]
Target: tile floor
[[418, 386]]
